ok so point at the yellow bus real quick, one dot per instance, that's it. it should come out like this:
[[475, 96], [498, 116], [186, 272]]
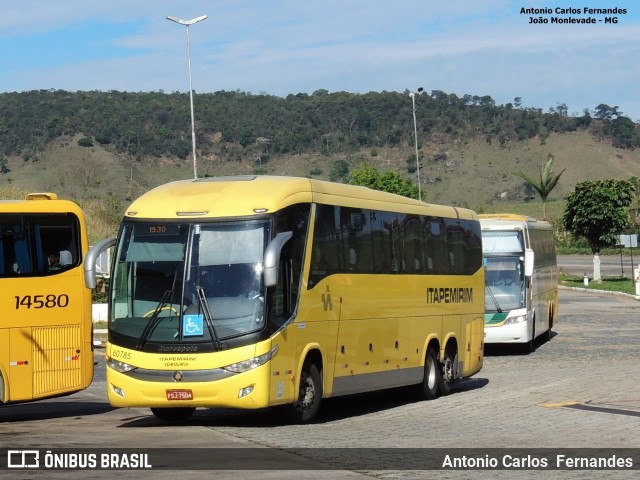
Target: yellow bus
[[46, 346], [249, 292], [521, 278]]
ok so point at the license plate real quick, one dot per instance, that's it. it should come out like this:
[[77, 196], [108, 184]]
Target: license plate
[[179, 395]]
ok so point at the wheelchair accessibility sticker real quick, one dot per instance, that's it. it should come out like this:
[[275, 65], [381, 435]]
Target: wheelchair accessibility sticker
[[192, 325]]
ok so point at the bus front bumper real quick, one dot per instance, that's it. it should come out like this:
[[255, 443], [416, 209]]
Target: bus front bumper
[[246, 390], [506, 333]]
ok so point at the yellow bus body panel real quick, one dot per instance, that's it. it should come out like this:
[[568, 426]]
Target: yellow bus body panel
[[45, 352]]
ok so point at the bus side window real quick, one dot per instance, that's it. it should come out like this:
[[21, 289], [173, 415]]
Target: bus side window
[[325, 256]]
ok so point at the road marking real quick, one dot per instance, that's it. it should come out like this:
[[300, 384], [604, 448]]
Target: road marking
[[558, 404]]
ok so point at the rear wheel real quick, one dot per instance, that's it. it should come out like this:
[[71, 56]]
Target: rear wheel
[[429, 387], [448, 373], [306, 406], [178, 414]]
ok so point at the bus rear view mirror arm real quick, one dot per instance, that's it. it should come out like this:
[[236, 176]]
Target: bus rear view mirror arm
[[91, 259], [272, 258]]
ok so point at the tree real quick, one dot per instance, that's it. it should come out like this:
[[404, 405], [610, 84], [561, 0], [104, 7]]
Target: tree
[[391, 182], [624, 133], [548, 182], [597, 211], [339, 171], [85, 142], [605, 112]]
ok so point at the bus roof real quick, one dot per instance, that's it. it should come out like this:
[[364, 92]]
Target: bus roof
[[499, 221], [40, 203], [238, 196]]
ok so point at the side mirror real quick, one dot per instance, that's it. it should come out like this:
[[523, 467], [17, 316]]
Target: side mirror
[[529, 258], [91, 259], [272, 258]]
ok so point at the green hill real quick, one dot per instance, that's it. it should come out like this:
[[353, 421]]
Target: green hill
[[108, 148]]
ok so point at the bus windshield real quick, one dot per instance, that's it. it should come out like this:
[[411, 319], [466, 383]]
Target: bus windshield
[[504, 283], [188, 282]]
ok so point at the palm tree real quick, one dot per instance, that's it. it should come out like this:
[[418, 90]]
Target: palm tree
[[548, 182]]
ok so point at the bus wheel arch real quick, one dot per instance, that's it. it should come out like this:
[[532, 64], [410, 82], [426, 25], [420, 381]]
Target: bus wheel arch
[[310, 390], [2, 397]]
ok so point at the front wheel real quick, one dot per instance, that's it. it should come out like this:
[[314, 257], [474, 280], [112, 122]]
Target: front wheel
[[178, 414], [306, 406]]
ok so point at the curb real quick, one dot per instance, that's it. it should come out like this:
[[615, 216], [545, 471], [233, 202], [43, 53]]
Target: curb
[[603, 292]]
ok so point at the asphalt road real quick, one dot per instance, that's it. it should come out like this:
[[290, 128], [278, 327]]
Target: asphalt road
[[577, 390]]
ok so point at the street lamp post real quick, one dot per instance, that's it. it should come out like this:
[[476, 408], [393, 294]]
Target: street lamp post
[[415, 136], [188, 23]]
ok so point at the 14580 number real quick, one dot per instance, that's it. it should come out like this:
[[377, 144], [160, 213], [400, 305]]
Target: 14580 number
[[42, 301]]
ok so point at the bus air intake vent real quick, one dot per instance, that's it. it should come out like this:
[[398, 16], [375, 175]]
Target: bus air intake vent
[[56, 360]]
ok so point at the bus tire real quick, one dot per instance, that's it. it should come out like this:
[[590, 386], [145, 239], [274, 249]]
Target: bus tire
[[305, 408], [530, 347], [431, 381], [448, 373], [178, 414]]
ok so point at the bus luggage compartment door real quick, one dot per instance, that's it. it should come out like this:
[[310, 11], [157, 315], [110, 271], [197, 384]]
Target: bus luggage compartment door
[[57, 366]]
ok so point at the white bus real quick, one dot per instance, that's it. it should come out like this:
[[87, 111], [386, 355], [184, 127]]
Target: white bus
[[521, 278]]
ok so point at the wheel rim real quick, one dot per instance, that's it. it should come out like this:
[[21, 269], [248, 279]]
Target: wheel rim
[[447, 370], [432, 379], [307, 394]]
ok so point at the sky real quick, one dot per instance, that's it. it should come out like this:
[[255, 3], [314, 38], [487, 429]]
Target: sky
[[475, 47]]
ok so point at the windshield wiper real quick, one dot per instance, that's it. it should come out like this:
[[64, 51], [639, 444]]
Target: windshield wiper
[[154, 319], [204, 305], [493, 297]]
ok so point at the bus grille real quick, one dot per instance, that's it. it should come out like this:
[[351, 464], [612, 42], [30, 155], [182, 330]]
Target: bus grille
[[56, 360]]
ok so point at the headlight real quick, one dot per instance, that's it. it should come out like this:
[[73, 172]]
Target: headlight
[[514, 320], [254, 362], [119, 366]]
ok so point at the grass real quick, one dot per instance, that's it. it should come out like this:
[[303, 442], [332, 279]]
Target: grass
[[608, 284]]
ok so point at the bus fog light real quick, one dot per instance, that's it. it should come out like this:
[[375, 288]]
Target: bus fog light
[[245, 391], [118, 391]]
